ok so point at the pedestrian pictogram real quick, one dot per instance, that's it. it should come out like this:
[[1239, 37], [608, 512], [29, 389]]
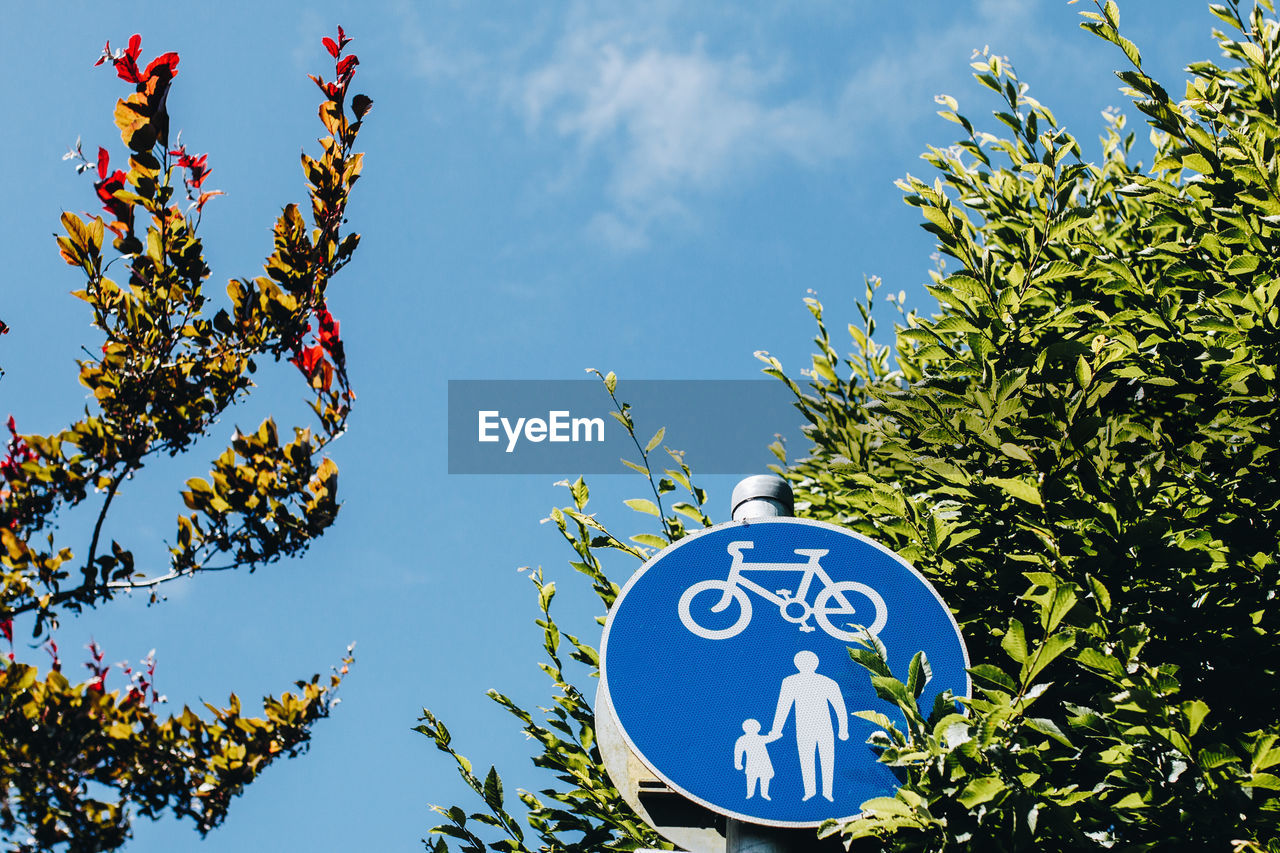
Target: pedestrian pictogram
[[726, 662]]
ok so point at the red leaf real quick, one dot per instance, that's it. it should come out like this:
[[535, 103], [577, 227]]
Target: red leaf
[[329, 329], [205, 197], [127, 65], [169, 59], [346, 66], [330, 46], [308, 358], [319, 81], [343, 41], [104, 163]]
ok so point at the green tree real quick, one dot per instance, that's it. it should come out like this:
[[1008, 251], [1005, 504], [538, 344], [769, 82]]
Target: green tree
[[79, 761], [1078, 450]]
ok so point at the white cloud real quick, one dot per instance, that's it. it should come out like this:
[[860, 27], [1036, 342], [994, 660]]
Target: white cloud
[[667, 122], [668, 118]]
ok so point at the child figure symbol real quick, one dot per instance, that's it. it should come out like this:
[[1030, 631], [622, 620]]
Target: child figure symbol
[[751, 753]]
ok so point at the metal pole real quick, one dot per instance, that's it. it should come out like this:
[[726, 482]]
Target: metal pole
[[763, 496]]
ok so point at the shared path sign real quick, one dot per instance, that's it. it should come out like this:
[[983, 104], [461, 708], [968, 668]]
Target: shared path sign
[[725, 659]]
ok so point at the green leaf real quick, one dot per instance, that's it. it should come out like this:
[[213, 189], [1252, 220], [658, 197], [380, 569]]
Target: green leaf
[[1262, 780], [1048, 727], [980, 790], [1046, 653], [892, 690], [1112, 13], [580, 493], [545, 594], [643, 505], [887, 807], [1100, 594], [656, 440], [1014, 642], [993, 675], [1243, 264], [1084, 373], [1020, 489], [493, 788], [1194, 711], [1095, 659], [1013, 451], [919, 674], [870, 661], [1216, 756], [1131, 801], [1265, 754]]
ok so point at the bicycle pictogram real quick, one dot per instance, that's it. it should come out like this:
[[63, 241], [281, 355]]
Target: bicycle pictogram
[[834, 598]]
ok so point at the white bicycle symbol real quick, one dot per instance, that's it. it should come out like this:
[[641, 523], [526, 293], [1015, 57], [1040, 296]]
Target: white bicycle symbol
[[831, 600]]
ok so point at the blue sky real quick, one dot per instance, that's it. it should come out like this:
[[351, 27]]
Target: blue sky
[[548, 187]]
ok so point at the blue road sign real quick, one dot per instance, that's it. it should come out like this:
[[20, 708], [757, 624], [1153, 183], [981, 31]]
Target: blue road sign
[[725, 658]]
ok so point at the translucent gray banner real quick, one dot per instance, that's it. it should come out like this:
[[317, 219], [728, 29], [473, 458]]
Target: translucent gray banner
[[565, 427]]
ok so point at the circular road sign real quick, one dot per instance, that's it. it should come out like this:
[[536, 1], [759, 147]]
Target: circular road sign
[[726, 662]]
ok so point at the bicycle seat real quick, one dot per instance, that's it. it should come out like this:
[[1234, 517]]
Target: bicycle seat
[[812, 553]]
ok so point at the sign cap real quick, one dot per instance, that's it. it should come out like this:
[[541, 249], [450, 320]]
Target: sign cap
[[763, 487]]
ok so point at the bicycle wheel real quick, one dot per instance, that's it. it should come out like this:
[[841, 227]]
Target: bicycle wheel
[[720, 588], [823, 610]]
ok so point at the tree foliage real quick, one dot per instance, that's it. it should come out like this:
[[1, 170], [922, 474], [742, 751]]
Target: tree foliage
[[79, 760], [1079, 451]]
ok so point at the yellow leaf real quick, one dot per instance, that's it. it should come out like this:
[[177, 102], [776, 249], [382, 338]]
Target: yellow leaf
[[129, 115]]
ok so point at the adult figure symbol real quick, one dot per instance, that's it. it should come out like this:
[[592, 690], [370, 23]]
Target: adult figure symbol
[[814, 697]]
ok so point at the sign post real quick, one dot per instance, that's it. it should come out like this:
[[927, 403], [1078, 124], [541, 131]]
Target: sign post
[[725, 660]]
